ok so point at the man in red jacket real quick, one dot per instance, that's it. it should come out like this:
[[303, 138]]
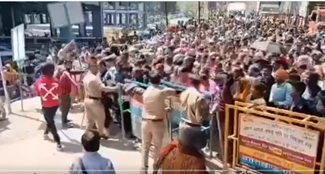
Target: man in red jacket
[[48, 89]]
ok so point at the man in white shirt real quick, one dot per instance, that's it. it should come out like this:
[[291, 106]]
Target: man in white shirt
[[91, 162]]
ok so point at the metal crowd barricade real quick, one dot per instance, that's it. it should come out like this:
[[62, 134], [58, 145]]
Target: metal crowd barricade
[[272, 140], [175, 116]]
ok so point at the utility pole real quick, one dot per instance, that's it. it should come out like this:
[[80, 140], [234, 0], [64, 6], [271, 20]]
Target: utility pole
[[71, 35], [199, 11], [166, 13]]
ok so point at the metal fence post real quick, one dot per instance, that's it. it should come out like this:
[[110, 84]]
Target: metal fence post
[[211, 136], [169, 120], [220, 135], [120, 102]]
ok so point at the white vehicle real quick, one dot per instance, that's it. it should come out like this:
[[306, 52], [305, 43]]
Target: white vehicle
[[236, 9]]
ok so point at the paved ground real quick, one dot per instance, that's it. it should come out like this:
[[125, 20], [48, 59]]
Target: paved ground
[[22, 147]]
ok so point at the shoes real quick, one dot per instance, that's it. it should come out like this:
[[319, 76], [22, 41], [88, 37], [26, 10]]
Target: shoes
[[59, 147], [67, 126], [130, 136], [46, 136], [144, 170], [105, 137]]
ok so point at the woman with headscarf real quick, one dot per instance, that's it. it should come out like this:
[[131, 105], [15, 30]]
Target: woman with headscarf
[[243, 90], [280, 94]]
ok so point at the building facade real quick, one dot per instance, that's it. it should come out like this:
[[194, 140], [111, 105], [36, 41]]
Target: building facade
[[125, 14]]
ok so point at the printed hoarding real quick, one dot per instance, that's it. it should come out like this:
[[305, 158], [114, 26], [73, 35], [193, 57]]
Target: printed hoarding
[[274, 147]]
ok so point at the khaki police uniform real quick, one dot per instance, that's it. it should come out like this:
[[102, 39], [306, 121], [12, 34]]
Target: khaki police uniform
[[94, 109], [153, 120], [195, 108]]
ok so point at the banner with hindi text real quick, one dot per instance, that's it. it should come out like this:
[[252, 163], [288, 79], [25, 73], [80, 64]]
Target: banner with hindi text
[[270, 146]]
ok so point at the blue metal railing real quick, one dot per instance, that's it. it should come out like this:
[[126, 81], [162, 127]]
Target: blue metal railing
[[176, 115]]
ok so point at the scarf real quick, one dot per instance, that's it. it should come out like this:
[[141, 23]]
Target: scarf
[[163, 153]]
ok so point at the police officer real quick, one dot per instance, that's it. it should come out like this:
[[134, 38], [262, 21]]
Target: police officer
[[153, 115], [94, 109], [194, 105]]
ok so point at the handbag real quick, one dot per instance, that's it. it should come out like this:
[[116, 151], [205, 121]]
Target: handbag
[[82, 166]]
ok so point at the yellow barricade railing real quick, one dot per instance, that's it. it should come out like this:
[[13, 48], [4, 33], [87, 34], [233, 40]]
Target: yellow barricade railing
[[271, 140]]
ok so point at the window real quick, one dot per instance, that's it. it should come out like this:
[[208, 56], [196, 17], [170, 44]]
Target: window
[[44, 19], [37, 19], [141, 6], [133, 20], [133, 6], [140, 20], [122, 19], [87, 17], [118, 19], [122, 5], [90, 18], [105, 18], [109, 19], [28, 18], [112, 16], [109, 5]]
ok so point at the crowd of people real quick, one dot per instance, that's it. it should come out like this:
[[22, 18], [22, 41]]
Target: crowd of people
[[262, 61]]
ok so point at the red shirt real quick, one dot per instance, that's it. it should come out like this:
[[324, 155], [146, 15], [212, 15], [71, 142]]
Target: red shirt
[[48, 89], [65, 83]]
